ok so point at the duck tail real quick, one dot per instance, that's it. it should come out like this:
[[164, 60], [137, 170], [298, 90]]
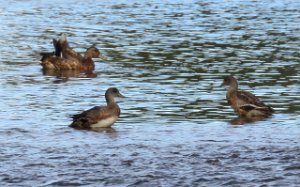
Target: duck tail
[[267, 111], [257, 110], [45, 56], [76, 124], [271, 109], [80, 123]]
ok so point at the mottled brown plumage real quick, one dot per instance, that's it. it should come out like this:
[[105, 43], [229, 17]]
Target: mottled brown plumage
[[99, 116], [51, 62], [65, 58], [245, 103]]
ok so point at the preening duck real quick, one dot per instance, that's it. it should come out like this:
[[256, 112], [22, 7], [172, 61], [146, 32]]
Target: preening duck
[[65, 58]]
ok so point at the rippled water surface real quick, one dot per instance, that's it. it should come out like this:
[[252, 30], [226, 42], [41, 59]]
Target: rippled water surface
[[169, 59]]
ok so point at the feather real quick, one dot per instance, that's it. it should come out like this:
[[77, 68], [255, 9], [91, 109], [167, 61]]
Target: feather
[[243, 102]]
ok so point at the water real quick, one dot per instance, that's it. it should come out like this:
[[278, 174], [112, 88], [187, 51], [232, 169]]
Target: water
[[168, 58]]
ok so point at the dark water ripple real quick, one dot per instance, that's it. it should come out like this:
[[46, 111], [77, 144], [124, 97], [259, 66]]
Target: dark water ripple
[[168, 58], [132, 159]]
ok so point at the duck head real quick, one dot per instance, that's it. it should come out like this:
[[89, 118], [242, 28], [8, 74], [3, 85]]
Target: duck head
[[111, 93], [93, 52], [230, 81], [114, 92]]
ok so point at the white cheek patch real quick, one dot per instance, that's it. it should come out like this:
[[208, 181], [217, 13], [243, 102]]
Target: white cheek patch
[[105, 122]]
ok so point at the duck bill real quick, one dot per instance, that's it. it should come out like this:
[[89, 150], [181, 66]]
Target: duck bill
[[103, 57], [120, 95]]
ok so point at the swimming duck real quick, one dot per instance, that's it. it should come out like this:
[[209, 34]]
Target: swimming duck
[[52, 62], [65, 58], [245, 103], [99, 116]]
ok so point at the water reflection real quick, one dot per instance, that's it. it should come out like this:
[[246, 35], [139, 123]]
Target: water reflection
[[109, 130], [244, 120], [69, 73]]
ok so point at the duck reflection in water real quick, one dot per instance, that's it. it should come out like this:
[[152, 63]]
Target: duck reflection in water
[[63, 75], [64, 58], [245, 104], [110, 130], [245, 120]]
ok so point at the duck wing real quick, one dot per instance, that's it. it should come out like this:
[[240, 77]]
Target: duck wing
[[66, 50], [249, 107], [57, 48], [60, 44], [250, 104], [247, 98], [89, 117]]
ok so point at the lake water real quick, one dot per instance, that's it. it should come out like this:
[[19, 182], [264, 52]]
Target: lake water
[[168, 58]]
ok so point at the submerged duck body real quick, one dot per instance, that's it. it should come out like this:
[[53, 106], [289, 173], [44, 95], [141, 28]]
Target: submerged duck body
[[65, 58], [99, 116], [245, 103]]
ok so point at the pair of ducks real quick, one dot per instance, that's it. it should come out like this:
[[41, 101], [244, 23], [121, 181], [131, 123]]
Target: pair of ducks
[[244, 103], [65, 58]]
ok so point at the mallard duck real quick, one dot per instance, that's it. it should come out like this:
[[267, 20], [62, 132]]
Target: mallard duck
[[245, 103], [99, 116], [50, 62], [65, 58]]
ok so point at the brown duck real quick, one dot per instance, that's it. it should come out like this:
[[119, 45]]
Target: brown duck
[[245, 103], [99, 116], [65, 58]]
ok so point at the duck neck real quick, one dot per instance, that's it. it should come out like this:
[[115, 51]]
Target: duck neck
[[233, 86], [110, 99], [87, 55]]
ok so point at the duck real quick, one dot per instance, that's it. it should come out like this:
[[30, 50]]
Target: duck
[[245, 103], [52, 62], [65, 58], [99, 116]]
